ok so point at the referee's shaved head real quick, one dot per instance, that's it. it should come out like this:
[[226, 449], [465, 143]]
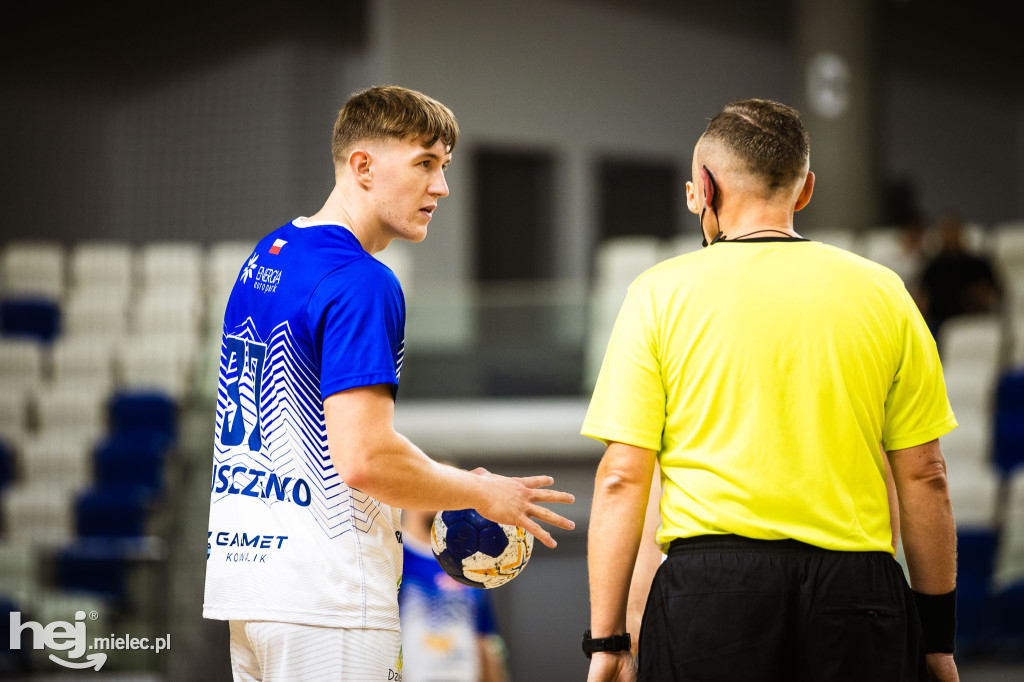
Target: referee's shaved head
[[761, 139]]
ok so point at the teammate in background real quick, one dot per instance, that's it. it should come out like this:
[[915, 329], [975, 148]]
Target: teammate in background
[[762, 374], [304, 550], [449, 632]]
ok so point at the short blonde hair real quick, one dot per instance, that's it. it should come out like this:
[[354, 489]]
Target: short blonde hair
[[391, 112]]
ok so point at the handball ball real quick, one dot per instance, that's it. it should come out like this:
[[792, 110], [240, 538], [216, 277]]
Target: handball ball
[[476, 551]]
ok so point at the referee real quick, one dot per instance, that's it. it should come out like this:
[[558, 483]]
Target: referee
[[763, 374]]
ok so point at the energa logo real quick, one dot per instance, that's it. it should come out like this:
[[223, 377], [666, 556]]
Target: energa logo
[[249, 269]]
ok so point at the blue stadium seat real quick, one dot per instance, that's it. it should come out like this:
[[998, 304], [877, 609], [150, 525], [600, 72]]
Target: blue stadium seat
[[7, 472], [98, 565], [37, 318], [113, 511], [1008, 450], [976, 551], [1009, 621], [132, 459], [152, 412]]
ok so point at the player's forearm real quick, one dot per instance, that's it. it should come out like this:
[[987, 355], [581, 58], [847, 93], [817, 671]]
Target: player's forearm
[[370, 456], [926, 518], [616, 526], [390, 468]]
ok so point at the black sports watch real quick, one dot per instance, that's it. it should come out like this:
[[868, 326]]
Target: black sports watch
[[614, 643]]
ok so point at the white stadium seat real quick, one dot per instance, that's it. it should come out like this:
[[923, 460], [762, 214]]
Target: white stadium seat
[[34, 268], [21, 364], [161, 362], [972, 340], [107, 265], [1007, 241], [223, 264], [163, 310], [37, 513], [20, 572], [620, 260], [83, 358], [971, 441], [59, 459], [73, 405], [177, 266], [96, 312], [970, 393], [973, 489]]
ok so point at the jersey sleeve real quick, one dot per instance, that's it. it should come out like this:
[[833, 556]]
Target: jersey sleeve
[[356, 317], [628, 403], [917, 409]]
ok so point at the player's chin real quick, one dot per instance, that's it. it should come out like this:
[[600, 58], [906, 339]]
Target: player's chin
[[416, 234]]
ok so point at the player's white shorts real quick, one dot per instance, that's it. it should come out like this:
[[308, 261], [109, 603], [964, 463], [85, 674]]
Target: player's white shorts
[[277, 652]]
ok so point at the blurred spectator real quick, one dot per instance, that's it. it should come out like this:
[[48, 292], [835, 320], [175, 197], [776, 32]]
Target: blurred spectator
[[448, 629], [910, 256], [955, 281]]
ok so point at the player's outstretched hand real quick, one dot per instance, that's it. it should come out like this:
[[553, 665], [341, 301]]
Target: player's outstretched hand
[[516, 502]]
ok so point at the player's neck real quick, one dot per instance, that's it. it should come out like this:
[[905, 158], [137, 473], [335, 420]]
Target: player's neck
[[341, 209]]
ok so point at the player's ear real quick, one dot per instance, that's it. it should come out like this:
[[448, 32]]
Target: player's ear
[[805, 192], [360, 164], [691, 198]]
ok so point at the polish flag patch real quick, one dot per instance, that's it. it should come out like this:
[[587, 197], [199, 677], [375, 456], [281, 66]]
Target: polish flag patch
[[278, 244]]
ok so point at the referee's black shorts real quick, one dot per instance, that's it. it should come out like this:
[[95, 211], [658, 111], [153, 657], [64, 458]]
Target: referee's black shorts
[[732, 608]]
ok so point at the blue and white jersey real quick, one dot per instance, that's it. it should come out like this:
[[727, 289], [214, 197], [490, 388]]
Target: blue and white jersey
[[442, 621], [310, 314]]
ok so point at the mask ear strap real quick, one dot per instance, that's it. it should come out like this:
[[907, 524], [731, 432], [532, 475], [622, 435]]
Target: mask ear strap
[[710, 194], [710, 189]]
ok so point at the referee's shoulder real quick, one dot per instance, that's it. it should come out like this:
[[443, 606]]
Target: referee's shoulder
[[855, 262]]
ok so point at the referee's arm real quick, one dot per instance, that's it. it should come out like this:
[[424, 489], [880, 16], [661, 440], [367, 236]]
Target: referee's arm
[[928, 530], [616, 525], [926, 517]]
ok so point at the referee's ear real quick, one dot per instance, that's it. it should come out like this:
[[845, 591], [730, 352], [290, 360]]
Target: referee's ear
[[805, 192]]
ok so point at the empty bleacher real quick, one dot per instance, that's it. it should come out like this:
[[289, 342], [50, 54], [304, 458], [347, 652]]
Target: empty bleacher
[[98, 347]]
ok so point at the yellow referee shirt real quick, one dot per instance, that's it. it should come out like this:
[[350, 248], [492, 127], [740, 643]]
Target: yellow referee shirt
[[765, 372]]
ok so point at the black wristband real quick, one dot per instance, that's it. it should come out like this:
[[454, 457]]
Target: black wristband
[[938, 620], [613, 644]]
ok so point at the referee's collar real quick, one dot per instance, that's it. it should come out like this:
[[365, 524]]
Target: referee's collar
[[741, 240]]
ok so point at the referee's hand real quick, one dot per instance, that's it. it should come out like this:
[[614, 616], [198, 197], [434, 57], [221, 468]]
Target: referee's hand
[[942, 668], [618, 666]]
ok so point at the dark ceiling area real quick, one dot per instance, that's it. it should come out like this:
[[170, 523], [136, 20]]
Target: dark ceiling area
[[115, 44], [977, 42]]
